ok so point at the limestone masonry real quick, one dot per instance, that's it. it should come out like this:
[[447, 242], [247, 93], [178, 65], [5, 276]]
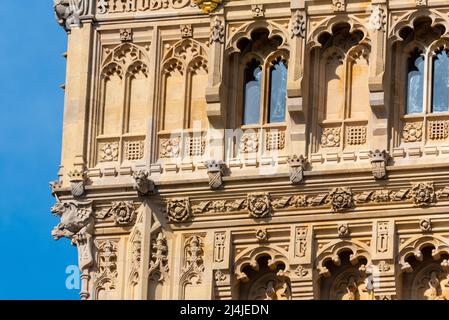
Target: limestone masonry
[[269, 149]]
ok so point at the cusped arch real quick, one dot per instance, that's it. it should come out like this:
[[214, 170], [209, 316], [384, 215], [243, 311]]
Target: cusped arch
[[332, 251], [185, 50], [409, 19], [251, 255], [415, 245], [125, 54], [327, 25], [245, 31]]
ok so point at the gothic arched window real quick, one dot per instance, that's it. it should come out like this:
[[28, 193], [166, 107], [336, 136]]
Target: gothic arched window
[[423, 101]]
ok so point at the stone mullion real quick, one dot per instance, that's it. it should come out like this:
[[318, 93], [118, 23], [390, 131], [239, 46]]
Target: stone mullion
[[147, 222], [214, 96], [377, 86], [294, 80]]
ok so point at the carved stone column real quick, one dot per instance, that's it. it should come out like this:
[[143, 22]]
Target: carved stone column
[[214, 96], [300, 257], [298, 29], [377, 25], [383, 266]]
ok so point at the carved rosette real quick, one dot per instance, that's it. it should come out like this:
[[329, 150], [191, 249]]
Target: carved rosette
[[259, 205], [249, 143], [412, 132], [123, 212], [423, 194], [338, 5], [341, 199], [178, 210], [170, 148], [330, 137]]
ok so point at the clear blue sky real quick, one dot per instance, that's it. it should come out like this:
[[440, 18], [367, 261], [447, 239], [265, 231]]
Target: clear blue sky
[[32, 265]]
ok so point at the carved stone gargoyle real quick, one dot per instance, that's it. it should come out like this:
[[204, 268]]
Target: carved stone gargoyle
[[77, 183], [379, 164], [215, 171], [142, 184], [76, 224], [296, 168], [68, 12]]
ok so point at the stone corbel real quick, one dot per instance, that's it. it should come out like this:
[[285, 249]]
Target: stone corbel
[[69, 13], [142, 184], [216, 51], [77, 224]]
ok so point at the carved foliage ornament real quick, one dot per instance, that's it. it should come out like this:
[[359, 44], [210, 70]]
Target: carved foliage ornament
[[159, 258], [259, 205], [377, 19], [194, 253], [217, 31], [69, 12], [298, 25], [412, 132], [107, 264]]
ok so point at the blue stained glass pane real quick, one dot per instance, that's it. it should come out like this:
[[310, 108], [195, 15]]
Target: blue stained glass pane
[[415, 81], [278, 92], [251, 113], [440, 84]]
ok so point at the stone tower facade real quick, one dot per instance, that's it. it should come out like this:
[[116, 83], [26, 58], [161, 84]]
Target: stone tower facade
[[267, 149]]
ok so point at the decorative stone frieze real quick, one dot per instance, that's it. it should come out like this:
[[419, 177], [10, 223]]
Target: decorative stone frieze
[[423, 194]]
